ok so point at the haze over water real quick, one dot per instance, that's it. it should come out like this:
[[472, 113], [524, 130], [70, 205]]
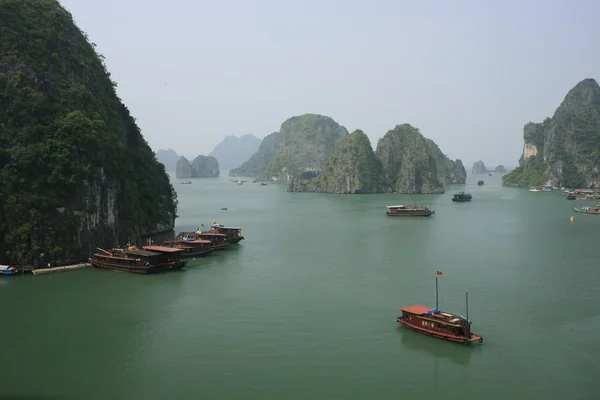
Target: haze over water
[[305, 306]]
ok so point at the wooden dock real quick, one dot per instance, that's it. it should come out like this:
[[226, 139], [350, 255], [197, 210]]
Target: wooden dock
[[40, 271]]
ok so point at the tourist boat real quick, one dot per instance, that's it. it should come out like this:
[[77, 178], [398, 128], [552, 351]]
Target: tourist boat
[[408, 211], [218, 240], [167, 258], [490, 174], [441, 325], [571, 196], [462, 197], [587, 210], [119, 260], [234, 235], [535, 189], [263, 184], [186, 182], [191, 247], [480, 182]]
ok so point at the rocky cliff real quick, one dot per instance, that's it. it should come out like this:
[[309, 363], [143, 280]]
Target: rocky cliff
[[352, 167], [168, 158], [201, 167], [75, 171], [259, 160], [411, 163], [563, 150], [500, 169], [233, 151], [479, 168]]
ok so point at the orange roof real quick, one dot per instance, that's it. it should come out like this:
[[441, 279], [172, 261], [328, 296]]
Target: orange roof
[[162, 248], [416, 309]]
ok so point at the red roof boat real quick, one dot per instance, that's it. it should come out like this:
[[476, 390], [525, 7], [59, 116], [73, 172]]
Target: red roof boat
[[431, 321]]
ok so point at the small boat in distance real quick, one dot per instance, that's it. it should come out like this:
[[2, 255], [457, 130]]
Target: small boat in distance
[[408, 211], [186, 182], [224, 208], [480, 182], [490, 174], [462, 197], [588, 210], [441, 325]]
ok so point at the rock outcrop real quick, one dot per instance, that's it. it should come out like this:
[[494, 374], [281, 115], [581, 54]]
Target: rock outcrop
[[500, 169], [563, 150], [233, 151], [201, 167], [75, 171], [259, 161], [168, 158], [301, 146], [412, 165], [479, 168], [352, 167]]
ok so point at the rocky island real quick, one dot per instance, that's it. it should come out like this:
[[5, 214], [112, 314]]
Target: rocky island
[[300, 148], [233, 151], [201, 167], [563, 150], [479, 168], [500, 169], [75, 170], [168, 158], [404, 162]]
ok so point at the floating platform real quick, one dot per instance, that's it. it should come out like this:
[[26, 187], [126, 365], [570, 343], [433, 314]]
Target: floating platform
[[40, 271]]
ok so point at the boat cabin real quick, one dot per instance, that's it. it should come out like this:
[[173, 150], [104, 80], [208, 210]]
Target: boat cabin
[[431, 320], [404, 210], [234, 235]]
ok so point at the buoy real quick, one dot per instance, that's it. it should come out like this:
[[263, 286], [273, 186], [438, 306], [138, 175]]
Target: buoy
[[572, 218]]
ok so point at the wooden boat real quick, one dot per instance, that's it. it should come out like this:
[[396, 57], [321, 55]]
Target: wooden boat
[[441, 325], [218, 240], [587, 210], [480, 182], [234, 235], [571, 196], [191, 247], [167, 258], [408, 211], [462, 197], [119, 260]]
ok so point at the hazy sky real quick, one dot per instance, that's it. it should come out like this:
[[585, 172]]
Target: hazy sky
[[468, 74]]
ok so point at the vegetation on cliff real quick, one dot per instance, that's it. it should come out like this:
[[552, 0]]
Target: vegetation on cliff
[[563, 150], [352, 167], [412, 164], [261, 159], [201, 167], [304, 145], [75, 171]]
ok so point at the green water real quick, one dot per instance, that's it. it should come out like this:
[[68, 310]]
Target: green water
[[305, 306]]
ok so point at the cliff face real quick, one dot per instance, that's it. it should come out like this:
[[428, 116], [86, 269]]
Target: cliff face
[[233, 151], [479, 168], [352, 167], [449, 172], [259, 160], [201, 167], [306, 142], [410, 164], [563, 150], [75, 171]]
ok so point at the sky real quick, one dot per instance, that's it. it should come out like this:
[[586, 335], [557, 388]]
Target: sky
[[468, 74]]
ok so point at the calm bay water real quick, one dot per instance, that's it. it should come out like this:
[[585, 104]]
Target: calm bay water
[[305, 306]]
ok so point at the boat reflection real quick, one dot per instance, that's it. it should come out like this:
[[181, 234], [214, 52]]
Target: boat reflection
[[453, 352]]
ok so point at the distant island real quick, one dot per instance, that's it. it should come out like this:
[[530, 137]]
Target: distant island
[[500, 169], [201, 167], [233, 151], [314, 153], [479, 167], [563, 150], [168, 158]]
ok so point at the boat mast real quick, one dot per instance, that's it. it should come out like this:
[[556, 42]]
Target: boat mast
[[436, 293], [467, 299]]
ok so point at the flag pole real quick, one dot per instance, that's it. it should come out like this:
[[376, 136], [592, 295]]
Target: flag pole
[[436, 292]]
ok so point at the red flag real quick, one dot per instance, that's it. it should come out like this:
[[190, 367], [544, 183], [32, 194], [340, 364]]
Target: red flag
[[438, 273], [202, 224]]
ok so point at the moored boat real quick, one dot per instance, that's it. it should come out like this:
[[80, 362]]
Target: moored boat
[[571, 196], [119, 260], [191, 247], [480, 182], [408, 211], [462, 197], [167, 258], [587, 210], [218, 240], [442, 325], [234, 235]]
